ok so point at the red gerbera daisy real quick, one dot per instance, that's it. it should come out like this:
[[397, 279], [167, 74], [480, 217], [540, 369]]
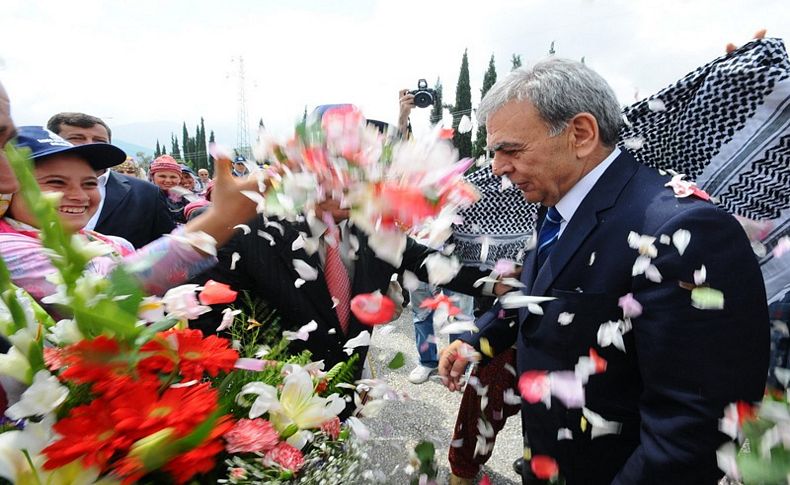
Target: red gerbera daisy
[[200, 459], [142, 413], [88, 432], [193, 354], [92, 360]]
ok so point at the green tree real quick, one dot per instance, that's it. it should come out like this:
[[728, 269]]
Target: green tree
[[437, 108], [463, 106], [210, 157], [187, 153], [201, 142], [143, 159], [158, 151], [488, 80], [515, 62], [175, 152]]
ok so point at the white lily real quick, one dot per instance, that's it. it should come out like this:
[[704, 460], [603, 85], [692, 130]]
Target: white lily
[[14, 465], [265, 402], [65, 332], [41, 398], [300, 406], [14, 364], [297, 405]]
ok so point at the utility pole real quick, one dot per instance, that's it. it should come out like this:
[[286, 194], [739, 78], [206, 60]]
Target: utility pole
[[242, 128]]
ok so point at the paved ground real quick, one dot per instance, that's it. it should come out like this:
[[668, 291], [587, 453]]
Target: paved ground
[[429, 414]]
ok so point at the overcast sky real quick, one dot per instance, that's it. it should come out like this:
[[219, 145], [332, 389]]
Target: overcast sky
[[147, 65]]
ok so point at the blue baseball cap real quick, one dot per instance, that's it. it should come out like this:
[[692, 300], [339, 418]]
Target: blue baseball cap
[[43, 143], [240, 159]]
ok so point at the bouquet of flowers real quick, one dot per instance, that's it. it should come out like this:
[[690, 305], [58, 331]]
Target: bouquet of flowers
[[122, 392], [391, 186]]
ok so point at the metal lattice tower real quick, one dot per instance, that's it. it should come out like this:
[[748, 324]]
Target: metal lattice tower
[[242, 127]]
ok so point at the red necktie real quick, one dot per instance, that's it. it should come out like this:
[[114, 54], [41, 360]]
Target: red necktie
[[337, 280]]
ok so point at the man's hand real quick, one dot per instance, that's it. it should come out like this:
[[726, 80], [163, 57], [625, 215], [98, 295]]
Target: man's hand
[[229, 206], [760, 34], [500, 288], [406, 105], [453, 361]]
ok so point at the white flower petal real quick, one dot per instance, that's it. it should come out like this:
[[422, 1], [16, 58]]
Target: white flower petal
[[681, 240], [244, 227]]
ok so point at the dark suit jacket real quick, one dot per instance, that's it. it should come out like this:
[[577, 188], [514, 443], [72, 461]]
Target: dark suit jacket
[[134, 210], [267, 272], [682, 366]]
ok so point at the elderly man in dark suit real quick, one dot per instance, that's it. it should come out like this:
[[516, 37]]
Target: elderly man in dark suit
[[131, 208], [619, 255]]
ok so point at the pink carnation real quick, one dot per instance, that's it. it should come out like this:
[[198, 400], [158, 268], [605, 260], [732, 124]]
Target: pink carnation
[[238, 473], [286, 456], [331, 428], [249, 435]]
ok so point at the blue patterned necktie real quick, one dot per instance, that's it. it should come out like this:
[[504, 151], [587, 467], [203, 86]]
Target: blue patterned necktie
[[549, 233]]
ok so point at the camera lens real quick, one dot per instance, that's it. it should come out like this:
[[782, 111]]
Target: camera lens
[[423, 99]]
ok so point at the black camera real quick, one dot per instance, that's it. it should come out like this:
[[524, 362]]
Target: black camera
[[423, 96]]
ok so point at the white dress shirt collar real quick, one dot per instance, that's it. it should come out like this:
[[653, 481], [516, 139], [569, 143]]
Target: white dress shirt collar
[[571, 201], [102, 179]]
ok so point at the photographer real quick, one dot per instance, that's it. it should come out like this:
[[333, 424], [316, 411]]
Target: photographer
[[406, 105]]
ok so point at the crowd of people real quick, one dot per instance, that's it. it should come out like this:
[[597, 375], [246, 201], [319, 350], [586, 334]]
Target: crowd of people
[[621, 375]]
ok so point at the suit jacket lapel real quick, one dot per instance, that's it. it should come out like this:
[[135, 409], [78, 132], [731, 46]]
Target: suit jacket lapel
[[114, 192], [603, 195]]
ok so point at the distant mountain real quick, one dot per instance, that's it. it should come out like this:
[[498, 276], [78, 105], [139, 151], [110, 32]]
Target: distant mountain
[[131, 148]]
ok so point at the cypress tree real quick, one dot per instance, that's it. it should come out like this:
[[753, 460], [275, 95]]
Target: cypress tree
[[187, 153], [158, 151], [437, 108], [175, 152], [488, 80], [463, 106], [202, 145], [210, 157]]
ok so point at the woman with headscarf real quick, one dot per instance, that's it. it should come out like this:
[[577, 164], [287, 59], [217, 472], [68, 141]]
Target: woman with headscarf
[[165, 173]]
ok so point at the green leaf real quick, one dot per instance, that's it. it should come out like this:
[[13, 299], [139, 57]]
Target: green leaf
[[151, 330], [105, 315], [127, 286], [425, 451], [397, 362]]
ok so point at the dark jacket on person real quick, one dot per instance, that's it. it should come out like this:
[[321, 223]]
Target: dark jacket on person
[[134, 210]]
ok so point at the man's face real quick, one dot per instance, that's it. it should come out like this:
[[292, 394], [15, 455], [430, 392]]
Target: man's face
[[543, 167], [240, 167], [332, 208], [75, 179], [203, 174], [8, 183], [83, 136]]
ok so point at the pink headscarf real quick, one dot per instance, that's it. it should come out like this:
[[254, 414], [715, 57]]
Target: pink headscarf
[[165, 163]]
